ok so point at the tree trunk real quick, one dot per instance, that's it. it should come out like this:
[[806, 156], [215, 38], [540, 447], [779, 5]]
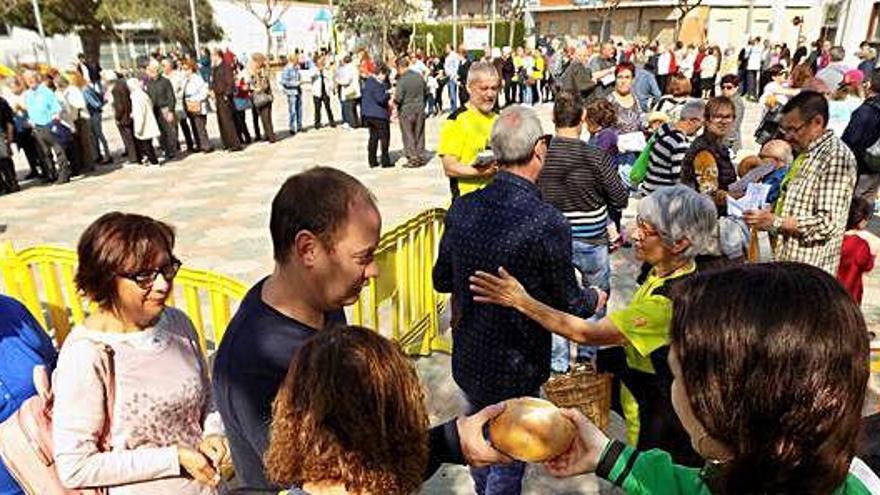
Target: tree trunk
[[91, 43], [268, 41], [512, 32], [384, 40]]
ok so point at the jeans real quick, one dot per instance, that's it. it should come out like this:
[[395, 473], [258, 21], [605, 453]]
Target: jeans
[[294, 112], [594, 265], [499, 479], [98, 135], [526, 96], [452, 87]]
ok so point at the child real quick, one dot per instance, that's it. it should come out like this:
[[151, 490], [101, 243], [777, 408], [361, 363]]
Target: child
[[857, 254], [432, 86]]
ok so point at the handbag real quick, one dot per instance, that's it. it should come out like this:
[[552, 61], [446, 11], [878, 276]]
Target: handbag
[[262, 99], [640, 167], [193, 106], [241, 104], [27, 448]]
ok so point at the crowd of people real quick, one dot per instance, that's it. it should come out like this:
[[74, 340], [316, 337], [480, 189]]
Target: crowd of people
[[743, 349]]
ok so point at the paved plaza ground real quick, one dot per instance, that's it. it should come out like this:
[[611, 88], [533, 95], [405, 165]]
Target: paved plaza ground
[[220, 202]]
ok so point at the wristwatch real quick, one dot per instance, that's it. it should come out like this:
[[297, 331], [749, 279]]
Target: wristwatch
[[777, 224]]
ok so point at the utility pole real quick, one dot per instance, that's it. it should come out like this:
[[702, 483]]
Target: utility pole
[[454, 25], [195, 26], [494, 10], [42, 33]]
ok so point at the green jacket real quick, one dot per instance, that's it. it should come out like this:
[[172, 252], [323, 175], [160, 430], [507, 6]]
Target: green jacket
[[654, 473]]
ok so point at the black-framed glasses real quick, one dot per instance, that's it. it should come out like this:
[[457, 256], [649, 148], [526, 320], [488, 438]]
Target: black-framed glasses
[[546, 138], [146, 278], [789, 131]]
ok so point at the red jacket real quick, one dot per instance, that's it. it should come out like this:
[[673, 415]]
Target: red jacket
[[855, 260]]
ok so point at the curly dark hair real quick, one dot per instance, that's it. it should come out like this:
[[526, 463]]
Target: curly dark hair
[[602, 113], [775, 377], [118, 243], [351, 410]]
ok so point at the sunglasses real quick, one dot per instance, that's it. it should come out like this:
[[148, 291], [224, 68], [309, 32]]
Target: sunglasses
[[728, 86], [146, 278]]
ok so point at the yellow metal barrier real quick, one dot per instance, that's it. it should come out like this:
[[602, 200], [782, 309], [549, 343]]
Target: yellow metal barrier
[[42, 278], [404, 291]]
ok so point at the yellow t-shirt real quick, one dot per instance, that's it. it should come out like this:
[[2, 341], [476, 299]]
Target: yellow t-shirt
[[464, 135], [645, 320]]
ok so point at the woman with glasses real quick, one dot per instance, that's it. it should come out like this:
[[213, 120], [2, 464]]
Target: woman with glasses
[[146, 426], [707, 167], [675, 224]]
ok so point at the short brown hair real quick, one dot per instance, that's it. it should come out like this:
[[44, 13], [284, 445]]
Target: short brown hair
[[350, 410], [317, 200], [602, 113], [717, 103], [118, 243], [800, 74], [679, 85]]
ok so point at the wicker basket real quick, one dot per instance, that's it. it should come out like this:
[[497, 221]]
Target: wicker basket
[[585, 389]]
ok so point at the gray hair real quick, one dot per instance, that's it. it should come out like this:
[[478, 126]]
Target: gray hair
[[678, 212], [692, 108], [481, 70], [837, 53], [514, 135]]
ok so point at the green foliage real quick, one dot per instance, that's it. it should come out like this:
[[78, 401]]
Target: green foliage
[[94, 20], [367, 17], [443, 34]]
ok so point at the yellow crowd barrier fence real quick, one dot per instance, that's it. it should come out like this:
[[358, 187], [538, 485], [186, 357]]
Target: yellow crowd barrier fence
[[401, 299]]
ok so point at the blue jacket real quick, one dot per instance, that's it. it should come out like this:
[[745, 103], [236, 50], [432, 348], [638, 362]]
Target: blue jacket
[[863, 129], [291, 80], [374, 99], [645, 87], [23, 345]]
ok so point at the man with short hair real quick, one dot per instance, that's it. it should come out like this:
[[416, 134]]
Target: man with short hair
[[161, 93], [832, 74], [671, 144], [410, 96], [464, 137], [582, 182], [577, 77], [861, 133], [44, 111], [325, 229], [497, 353], [810, 214], [602, 68]]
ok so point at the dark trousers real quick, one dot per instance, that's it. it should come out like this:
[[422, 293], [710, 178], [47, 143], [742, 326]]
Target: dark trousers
[[264, 114], [126, 132], [58, 166], [325, 101], [168, 130], [662, 81], [145, 149], [463, 95], [380, 135], [28, 143], [191, 144], [752, 82], [198, 123], [241, 128], [226, 121], [255, 117], [8, 180], [509, 92], [84, 147], [412, 130], [98, 138], [350, 113]]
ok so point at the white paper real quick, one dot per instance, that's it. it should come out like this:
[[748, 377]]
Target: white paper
[[754, 199], [608, 79], [631, 141]]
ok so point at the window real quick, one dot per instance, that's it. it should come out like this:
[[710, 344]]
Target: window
[[4, 29]]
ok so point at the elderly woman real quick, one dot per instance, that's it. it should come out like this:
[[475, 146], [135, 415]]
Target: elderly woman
[[261, 95], [349, 418], [156, 435], [122, 115], [629, 113], [144, 124], [195, 103], [754, 332], [675, 224]]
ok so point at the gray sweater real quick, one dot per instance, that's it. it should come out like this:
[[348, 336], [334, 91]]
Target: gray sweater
[[410, 93]]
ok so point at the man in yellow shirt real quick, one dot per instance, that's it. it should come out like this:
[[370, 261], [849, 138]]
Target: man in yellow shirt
[[464, 137]]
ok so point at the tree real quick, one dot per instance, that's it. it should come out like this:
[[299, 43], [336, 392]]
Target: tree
[[513, 10], [268, 12], [369, 17], [684, 7], [96, 21], [606, 8]]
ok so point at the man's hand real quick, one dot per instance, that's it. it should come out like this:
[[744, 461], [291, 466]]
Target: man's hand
[[602, 300], [759, 219], [586, 448], [477, 451]]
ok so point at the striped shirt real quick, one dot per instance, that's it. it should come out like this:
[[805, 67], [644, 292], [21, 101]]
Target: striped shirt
[[664, 163], [582, 182]]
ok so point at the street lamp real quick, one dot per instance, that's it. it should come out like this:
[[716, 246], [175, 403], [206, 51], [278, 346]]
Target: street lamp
[[195, 26]]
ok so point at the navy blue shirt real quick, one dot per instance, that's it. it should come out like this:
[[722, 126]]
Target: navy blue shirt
[[249, 366], [499, 353], [375, 98], [23, 345], [863, 130]]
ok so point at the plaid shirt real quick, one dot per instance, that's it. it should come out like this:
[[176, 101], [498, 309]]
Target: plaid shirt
[[818, 197]]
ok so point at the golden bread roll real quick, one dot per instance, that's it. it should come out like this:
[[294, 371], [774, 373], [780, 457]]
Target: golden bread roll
[[531, 430]]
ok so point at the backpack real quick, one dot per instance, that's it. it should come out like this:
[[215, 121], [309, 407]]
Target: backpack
[[27, 448], [871, 158]]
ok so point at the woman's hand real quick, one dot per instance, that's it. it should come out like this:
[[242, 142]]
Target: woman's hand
[[586, 448], [197, 465], [216, 448], [503, 290]]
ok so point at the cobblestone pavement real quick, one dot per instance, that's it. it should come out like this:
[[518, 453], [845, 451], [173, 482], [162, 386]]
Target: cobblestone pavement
[[219, 204]]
